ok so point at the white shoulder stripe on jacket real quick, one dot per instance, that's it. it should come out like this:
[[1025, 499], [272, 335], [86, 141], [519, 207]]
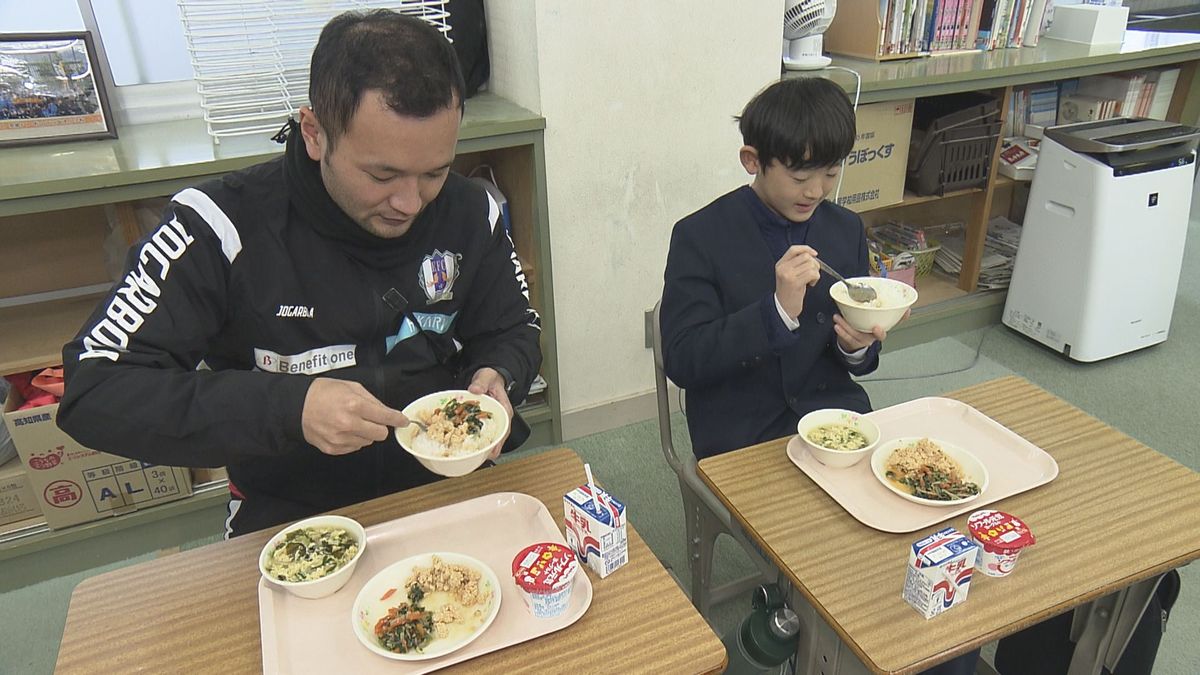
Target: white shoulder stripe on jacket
[[202, 204], [493, 212]]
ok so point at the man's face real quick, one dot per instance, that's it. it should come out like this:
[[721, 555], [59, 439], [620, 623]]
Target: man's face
[[385, 168], [792, 194]]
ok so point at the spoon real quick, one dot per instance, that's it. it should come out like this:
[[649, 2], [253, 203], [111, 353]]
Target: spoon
[[421, 428], [858, 292]]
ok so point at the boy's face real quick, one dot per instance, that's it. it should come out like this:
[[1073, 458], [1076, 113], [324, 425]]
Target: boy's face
[[795, 195]]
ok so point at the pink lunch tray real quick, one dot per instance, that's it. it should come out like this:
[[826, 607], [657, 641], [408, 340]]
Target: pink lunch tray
[[1014, 464], [316, 636]]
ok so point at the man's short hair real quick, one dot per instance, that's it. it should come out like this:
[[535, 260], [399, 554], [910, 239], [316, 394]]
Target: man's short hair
[[412, 64], [805, 123]]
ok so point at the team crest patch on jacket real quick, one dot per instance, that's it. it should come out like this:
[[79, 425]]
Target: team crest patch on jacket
[[438, 274]]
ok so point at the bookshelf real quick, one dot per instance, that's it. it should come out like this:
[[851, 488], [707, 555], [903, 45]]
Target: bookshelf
[[886, 30], [857, 30], [999, 73]]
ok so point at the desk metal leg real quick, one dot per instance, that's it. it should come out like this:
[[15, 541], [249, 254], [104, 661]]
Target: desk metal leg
[[1101, 629], [820, 651]]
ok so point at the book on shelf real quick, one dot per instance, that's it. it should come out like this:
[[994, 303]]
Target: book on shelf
[[1000, 23], [1019, 9], [1123, 88], [983, 30], [1035, 25], [1164, 89], [1035, 105]]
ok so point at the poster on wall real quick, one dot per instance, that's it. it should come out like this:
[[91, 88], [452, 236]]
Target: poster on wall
[[51, 89]]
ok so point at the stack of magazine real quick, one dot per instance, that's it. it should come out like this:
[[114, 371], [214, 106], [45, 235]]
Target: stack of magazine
[[999, 252]]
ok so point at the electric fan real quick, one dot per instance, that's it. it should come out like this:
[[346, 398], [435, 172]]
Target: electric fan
[[804, 21]]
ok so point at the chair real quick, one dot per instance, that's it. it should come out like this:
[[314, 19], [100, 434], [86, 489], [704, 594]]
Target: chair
[[705, 517]]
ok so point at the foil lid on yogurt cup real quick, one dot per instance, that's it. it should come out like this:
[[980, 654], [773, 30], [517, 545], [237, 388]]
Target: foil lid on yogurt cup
[[544, 567], [999, 532]]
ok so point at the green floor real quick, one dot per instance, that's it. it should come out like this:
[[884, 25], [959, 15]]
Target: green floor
[[1150, 395]]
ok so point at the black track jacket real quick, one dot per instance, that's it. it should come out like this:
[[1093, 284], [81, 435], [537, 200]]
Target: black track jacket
[[203, 353]]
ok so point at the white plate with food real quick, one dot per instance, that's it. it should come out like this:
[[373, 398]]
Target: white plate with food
[[461, 430], [426, 606], [929, 471]]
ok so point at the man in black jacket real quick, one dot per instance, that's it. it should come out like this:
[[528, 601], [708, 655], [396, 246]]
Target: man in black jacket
[[279, 316]]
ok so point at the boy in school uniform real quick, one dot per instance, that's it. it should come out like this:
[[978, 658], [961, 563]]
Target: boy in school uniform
[[748, 327]]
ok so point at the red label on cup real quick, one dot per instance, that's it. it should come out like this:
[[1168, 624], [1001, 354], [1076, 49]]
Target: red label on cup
[[544, 567], [999, 532]]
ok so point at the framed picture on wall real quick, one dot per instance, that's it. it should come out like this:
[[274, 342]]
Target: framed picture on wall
[[51, 89]]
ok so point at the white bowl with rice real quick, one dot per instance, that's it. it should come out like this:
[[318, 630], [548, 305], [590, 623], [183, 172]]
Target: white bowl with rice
[[315, 557], [892, 300], [838, 438], [455, 444], [929, 471]]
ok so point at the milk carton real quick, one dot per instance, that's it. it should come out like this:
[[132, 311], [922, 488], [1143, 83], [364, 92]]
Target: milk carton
[[939, 571], [596, 530]]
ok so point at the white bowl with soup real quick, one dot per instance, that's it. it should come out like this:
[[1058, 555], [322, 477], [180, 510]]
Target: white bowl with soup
[[463, 429], [838, 438], [929, 471], [313, 558], [892, 300]]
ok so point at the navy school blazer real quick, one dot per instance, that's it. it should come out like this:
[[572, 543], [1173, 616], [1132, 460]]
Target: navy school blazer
[[744, 383]]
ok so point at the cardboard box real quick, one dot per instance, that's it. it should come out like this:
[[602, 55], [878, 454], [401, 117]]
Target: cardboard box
[[17, 501], [596, 529], [874, 173], [74, 484], [203, 476], [1089, 24], [939, 572]]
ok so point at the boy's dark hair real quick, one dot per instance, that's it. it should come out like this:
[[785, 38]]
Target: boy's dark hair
[[403, 57], [805, 123]]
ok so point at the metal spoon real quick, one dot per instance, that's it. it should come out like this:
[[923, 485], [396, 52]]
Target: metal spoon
[[858, 292], [420, 426]]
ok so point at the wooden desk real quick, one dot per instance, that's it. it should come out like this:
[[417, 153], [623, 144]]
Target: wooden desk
[[852, 575], [198, 611]]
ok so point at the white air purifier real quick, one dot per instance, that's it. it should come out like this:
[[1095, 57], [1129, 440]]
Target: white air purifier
[[804, 23], [1101, 248]]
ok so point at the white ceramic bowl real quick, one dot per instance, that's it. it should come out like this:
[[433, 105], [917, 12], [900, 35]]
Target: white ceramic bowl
[[973, 469], [370, 605], [462, 464], [326, 585], [893, 297], [838, 458]]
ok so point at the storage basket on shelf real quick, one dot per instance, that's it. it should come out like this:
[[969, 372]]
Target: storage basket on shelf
[[896, 238], [952, 142]]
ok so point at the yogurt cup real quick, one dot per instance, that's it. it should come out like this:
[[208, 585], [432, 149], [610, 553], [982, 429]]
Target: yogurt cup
[[544, 574], [1001, 537]]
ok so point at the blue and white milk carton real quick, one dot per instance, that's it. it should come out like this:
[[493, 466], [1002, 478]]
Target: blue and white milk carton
[[939, 571], [596, 529]]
